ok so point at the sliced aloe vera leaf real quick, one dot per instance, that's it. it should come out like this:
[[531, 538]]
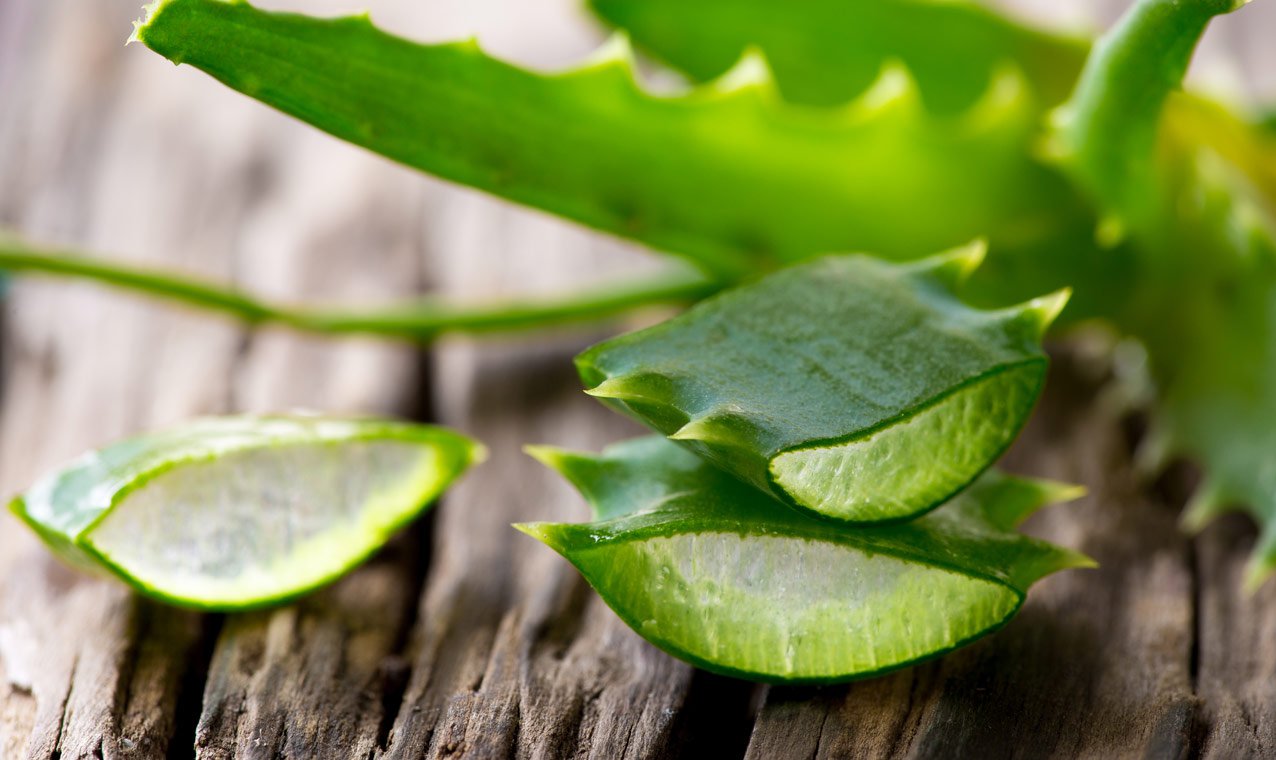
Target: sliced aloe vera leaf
[[710, 571], [237, 512], [858, 389], [828, 51]]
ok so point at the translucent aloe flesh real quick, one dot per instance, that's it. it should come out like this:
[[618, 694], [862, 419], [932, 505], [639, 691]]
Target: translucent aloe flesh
[[727, 175], [828, 51], [709, 570], [855, 388], [236, 512]]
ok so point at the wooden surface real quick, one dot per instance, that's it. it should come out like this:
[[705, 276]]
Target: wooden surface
[[465, 638]]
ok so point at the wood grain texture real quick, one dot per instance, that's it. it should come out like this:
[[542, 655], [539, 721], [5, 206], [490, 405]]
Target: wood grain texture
[[465, 638]]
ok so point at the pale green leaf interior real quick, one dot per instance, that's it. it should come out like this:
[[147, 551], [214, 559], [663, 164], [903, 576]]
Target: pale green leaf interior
[[257, 523], [826, 609], [877, 477]]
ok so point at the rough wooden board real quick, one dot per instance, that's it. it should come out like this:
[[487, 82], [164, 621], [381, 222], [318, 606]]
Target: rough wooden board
[[505, 652], [512, 654]]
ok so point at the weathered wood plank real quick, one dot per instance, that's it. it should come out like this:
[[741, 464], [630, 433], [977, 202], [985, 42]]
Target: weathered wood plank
[[512, 654]]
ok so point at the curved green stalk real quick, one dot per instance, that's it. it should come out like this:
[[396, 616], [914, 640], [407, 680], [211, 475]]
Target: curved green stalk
[[419, 321], [1110, 126]]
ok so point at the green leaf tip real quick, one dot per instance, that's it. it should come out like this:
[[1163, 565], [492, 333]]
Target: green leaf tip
[[953, 268]]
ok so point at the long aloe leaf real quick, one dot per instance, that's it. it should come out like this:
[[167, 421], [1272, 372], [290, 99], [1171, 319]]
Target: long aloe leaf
[[422, 320], [828, 51], [714, 572], [857, 389], [1206, 301], [727, 174]]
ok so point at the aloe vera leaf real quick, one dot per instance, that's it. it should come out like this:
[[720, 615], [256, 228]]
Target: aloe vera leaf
[[1205, 304], [422, 320], [854, 388], [727, 175], [713, 572], [233, 513], [828, 51]]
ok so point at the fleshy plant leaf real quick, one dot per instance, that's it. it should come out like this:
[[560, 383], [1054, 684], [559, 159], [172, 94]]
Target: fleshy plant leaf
[[709, 570], [854, 388], [726, 174], [1192, 188], [237, 512]]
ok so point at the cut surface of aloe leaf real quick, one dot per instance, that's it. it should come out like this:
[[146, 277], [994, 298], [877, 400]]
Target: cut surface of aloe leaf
[[858, 389], [707, 569], [236, 512]]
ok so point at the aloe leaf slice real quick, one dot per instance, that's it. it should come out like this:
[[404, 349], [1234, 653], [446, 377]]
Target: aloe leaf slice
[[828, 51], [855, 388], [707, 569], [727, 175], [237, 512]]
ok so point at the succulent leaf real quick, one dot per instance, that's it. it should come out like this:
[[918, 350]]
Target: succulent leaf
[[857, 389], [716, 573], [1191, 184], [726, 174]]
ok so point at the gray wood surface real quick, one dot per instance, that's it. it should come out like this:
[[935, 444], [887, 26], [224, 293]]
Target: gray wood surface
[[465, 638]]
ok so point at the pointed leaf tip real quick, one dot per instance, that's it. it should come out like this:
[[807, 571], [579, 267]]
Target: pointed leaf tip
[[616, 52], [617, 387], [953, 268], [1257, 571], [544, 532], [708, 428], [1208, 502], [750, 72], [893, 90], [1041, 312]]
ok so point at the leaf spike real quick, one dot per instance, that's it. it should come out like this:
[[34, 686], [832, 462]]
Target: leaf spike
[[1208, 502], [586, 472], [1041, 312], [710, 428], [1154, 452], [615, 54], [1023, 497], [751, 73], [893, 92], [1006, 101], [620, 388], [545, 532], [1263, 561], [953, 267]]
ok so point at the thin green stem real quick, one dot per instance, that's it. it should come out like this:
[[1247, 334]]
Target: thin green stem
[[421, 320]]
